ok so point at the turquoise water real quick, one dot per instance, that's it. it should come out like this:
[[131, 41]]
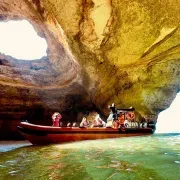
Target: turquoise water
[[155, 157]]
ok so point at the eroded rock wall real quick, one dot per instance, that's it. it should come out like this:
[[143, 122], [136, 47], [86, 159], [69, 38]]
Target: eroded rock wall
[[137, 59]]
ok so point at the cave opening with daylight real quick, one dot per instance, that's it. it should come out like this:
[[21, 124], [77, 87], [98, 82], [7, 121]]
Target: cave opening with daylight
[[169, 120], [20, 40]]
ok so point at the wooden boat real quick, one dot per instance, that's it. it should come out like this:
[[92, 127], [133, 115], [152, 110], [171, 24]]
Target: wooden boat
[[37, 134]]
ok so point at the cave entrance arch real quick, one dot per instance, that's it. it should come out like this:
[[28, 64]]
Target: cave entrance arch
[[20, 40], [169, 120]]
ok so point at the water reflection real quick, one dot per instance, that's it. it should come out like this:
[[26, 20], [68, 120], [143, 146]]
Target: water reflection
[[150, 157]]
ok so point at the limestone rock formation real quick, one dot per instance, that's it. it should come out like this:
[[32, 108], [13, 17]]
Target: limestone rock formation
[[99, 52]]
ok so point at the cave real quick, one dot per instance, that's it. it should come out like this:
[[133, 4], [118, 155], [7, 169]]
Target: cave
[[128, 56]]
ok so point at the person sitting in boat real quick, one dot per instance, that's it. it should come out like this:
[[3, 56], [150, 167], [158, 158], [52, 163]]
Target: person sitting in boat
[[56, 117], [74, 124], [119, 123], [84, 122], [121, 119], [68, 124], [98, 122]]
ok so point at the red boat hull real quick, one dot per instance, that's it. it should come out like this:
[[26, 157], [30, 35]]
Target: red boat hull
[[37, 134]]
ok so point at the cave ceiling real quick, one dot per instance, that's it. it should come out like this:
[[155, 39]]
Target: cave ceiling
[[99, 52]]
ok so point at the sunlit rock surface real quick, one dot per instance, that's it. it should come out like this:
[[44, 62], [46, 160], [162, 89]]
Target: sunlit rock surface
[[99, 52]]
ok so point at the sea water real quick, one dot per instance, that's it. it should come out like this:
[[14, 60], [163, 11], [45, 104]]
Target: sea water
[[154, 157]]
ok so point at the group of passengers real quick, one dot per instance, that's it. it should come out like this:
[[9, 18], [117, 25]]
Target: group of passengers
[[94, 120], [87, 121]]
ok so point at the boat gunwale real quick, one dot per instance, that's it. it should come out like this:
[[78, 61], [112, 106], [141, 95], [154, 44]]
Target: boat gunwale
[[65, 129], [51, 129]]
